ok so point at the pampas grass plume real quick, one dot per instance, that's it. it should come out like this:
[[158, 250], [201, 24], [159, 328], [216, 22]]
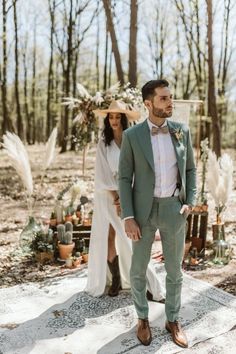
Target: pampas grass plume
[[50, 148], [19, 159], [220, 178]]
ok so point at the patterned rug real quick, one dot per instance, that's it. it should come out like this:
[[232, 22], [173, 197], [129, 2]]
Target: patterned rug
[[58, 317]]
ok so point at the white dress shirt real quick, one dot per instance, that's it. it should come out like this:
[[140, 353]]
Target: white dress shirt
[[165, 164]]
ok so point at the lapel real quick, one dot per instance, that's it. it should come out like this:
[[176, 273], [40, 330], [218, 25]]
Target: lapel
[[143, 135], [178, 145]]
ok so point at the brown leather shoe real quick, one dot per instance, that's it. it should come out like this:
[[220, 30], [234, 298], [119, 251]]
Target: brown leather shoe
[[143, 331], [177, 333]]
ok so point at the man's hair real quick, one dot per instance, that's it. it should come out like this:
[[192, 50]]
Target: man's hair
[[148, 90]]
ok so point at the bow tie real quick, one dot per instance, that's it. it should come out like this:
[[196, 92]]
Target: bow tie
[[159, 130]]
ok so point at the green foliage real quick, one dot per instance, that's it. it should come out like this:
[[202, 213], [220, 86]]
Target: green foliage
[[86, 132], [69, 210], [42, 241]]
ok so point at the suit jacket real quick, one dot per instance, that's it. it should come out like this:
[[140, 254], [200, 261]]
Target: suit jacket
[[136, 169]]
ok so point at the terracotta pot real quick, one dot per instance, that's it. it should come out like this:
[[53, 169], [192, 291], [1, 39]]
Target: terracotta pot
[[204, 207], [85, 257], [87, 222], [77, 262], [197, 208], [65, 250]]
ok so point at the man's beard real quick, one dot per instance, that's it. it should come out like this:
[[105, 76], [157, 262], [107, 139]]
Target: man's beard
[[157, 112]]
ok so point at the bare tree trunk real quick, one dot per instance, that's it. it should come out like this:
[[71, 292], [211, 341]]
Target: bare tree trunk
[[20, 130], [212, 107], [97, 52], [6, 123], [32, 127], [193, 42], [225, 57], [115, 48], [74, 79], [26, 105], [133, 43], [199, 56], [105, 64], [157, 36], [67, 78], [162, 41], [50, 122], [110, 69]]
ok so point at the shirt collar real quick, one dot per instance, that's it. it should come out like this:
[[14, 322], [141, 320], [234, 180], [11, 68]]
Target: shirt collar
[[150, 124]]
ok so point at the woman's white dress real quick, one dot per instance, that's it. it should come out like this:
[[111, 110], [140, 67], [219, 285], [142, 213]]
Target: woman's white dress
[[106, 179]]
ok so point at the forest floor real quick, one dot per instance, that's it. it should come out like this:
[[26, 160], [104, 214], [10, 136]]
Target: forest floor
[[15, 269]]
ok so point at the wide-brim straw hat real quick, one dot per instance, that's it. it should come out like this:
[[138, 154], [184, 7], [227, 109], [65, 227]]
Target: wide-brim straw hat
[[118, 106]]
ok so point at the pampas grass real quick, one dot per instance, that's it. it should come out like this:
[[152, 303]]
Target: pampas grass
[[48, 157], [220, 180], [19, 159], [114, 89], [50, 149], [83, 92]]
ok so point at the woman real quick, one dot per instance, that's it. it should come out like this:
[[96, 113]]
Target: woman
[[109, 244]]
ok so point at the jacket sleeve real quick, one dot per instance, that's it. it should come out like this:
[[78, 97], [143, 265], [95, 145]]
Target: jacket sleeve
[[191, 188], [126, 172]]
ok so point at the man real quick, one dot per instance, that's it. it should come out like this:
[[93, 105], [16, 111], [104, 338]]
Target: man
[[157, 183]]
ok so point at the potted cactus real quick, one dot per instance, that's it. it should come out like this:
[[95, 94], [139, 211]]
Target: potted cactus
[[69, 211], [65, 244], [42, 246], [85, 255], [83, 250], [77, 259]]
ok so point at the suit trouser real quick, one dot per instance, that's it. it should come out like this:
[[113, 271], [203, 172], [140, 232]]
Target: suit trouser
[[166, 217]]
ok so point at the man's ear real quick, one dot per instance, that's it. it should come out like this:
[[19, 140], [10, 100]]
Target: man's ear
[[148, 104]]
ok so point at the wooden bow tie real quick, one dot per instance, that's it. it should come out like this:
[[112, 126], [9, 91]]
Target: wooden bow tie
[[158, 130]]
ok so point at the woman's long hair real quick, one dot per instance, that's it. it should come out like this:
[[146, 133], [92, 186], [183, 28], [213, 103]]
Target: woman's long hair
[[108, 132]]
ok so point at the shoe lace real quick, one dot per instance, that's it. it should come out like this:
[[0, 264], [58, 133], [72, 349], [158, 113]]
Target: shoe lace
[[145, 324], [178, 326]]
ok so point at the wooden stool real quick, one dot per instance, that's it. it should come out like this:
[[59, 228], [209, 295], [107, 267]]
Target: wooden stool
[[197, 230]]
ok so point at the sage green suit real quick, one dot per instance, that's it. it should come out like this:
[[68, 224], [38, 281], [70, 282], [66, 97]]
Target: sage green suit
[[136, 188]]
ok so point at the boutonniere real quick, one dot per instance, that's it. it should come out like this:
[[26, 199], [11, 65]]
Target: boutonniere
[[178, 134]]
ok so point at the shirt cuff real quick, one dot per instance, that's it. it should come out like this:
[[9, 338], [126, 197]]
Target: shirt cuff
[[128, 217]]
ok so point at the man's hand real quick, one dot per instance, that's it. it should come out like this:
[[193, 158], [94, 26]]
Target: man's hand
[[185, 209], [132, 230]]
